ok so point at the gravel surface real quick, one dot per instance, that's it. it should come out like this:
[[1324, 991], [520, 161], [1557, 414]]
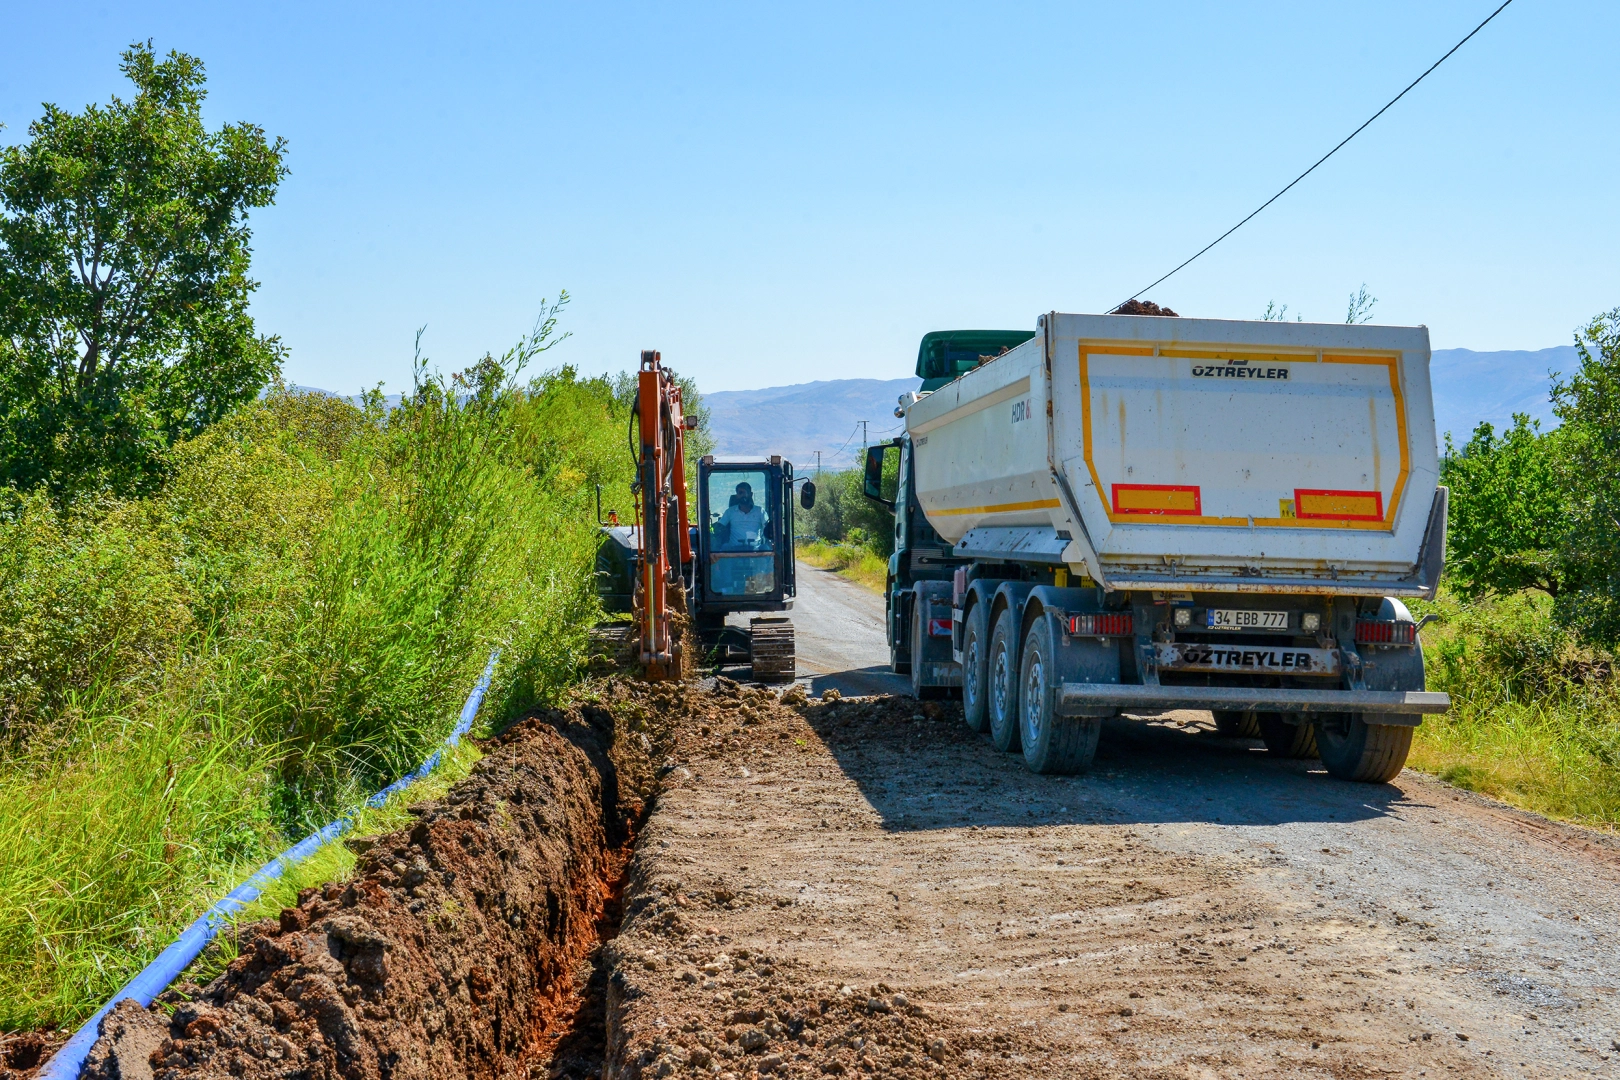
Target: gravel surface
[[1189, 908]]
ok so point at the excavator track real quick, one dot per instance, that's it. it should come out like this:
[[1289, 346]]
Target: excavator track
[[771, 646]]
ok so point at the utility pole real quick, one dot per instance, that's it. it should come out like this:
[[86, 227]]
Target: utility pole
[[863, 434], [818, 462]]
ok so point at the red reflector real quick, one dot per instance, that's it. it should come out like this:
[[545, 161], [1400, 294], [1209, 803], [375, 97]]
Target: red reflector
[[1382, 632], [1100, 625], [939, 628]]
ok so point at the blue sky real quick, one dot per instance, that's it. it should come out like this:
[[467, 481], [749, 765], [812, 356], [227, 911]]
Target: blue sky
[[773, 194]]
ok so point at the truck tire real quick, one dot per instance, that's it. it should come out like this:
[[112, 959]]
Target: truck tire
[[1052, 744], [1353, 749], [1001, 687], [976, 668], [1285, 740], [1232, 724]]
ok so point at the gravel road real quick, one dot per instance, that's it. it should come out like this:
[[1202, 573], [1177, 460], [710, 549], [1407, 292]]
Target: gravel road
[[1190, 907]]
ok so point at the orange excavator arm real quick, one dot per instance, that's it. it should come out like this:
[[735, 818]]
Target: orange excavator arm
[[665, 543]]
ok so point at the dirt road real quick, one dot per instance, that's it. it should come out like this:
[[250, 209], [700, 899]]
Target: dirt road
[[1189, 908]]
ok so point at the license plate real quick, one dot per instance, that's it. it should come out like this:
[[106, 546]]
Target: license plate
[[1238, 619], [1191, 656]]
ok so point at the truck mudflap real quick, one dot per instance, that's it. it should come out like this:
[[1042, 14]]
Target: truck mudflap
[[1394, 707]]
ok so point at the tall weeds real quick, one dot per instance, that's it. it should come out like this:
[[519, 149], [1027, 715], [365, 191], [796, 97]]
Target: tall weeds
[[1535, 717], [201, 676]]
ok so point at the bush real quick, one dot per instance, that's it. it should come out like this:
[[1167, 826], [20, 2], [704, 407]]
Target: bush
[[843, 513], [209, 672], [1508, 513], [1588, 404], [1535, 715]]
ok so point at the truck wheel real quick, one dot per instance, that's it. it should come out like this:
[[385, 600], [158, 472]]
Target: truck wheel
[[976, 669], [1285, 740], [1052, 743], [1001, 687], [1353, 749], [1232, 724]]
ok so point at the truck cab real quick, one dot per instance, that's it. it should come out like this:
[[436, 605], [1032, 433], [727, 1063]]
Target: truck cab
[[918, 591]]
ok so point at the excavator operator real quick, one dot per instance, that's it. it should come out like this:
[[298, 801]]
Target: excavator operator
[[744, 523]]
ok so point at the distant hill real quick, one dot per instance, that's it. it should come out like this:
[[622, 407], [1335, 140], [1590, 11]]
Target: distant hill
[[1473, 386], [796, 421]]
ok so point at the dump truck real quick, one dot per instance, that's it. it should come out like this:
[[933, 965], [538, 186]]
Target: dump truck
[[1137, 514]]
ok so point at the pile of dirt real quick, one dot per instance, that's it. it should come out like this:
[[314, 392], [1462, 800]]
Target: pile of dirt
[[458, 947], [1143, 307]]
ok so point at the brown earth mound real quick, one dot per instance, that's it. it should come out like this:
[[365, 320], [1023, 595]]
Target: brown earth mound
[[1143, 307], [456, 948]]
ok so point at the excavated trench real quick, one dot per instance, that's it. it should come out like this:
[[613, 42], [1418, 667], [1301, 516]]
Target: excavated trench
[[466, 946]]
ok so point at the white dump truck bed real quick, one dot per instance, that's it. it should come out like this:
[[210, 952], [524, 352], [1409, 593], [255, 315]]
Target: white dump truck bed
[[1170, 454]]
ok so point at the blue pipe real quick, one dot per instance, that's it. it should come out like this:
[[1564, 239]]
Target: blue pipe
[[156, 976]]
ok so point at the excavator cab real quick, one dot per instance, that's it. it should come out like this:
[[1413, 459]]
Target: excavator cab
[[745, 535], [744, 548]]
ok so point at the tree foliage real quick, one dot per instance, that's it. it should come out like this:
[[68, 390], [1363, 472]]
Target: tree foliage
[[1589, 406], [124, 281], [1534, 510], [1508, 510]]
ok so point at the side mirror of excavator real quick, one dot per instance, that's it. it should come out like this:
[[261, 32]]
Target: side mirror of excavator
[[807, 494]]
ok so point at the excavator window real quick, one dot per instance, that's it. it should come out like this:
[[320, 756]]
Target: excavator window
[[742, 559]]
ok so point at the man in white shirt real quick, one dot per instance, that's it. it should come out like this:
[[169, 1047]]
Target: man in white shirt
[[743, 521]]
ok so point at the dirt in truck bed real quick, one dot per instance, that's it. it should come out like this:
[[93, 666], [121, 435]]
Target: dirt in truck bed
[[863, 887]]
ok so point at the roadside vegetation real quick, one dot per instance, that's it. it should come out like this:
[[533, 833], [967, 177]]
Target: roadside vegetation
[[1530, 612], [847, 532], [231, 610], [194, 678]]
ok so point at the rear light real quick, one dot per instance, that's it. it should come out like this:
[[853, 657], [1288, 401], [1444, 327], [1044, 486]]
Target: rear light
[[939, 628], [1310, 622], [1100, 625], [1385, 632]]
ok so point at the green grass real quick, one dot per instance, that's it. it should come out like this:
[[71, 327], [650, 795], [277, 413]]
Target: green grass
[[857, 562], [192, 681], [1535, 718], [335, 862]]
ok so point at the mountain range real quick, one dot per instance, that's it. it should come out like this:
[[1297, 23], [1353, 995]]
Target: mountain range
[[797, 421]]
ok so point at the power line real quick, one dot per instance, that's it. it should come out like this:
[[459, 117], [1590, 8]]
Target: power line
[[1323, 158], [858, 423]]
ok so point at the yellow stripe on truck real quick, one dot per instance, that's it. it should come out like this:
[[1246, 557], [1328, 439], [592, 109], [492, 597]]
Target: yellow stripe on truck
[[1037, 504]]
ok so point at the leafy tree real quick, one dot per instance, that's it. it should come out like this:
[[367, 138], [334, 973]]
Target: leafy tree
[[124, 281], [1589, 406], [1508, 511]]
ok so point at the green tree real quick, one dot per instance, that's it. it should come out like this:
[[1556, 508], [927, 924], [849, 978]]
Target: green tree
[[1589, 406], [1508, 511], [124, 281]]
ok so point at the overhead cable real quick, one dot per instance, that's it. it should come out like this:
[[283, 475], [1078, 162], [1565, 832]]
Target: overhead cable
[[1323, 158]]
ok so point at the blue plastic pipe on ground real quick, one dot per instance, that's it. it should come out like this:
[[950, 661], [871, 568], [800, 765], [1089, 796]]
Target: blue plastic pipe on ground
[[156, 976]]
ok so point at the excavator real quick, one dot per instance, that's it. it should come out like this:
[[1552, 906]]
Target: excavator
[[670, 575]]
